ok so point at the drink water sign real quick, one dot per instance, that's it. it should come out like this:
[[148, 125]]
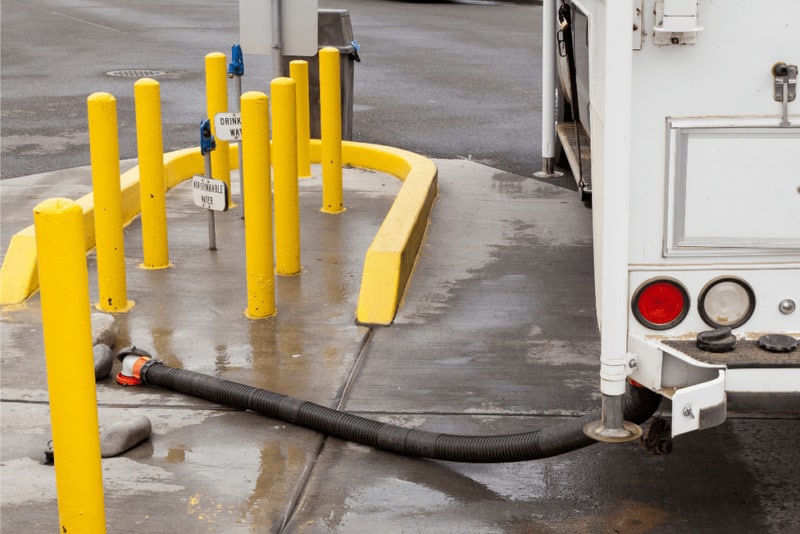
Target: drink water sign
[[228, 126]]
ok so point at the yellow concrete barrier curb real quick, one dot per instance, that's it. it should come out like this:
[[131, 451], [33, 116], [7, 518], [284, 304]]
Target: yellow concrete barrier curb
[[389, 259]]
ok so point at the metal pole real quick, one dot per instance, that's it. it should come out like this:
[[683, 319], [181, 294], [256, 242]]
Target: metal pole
[[212, 231], [548, 90], [238, 107], [277, 41], [207, 145], [236, 71]]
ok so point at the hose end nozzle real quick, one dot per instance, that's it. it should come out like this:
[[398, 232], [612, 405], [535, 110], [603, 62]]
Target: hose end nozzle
[[133, 360]]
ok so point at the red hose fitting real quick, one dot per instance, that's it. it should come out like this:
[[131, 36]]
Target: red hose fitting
[[133, 360]]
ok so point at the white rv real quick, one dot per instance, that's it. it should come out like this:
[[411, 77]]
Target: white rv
[[687, 143]]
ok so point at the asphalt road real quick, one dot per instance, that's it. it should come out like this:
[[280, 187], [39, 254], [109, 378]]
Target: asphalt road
[[445, 79]]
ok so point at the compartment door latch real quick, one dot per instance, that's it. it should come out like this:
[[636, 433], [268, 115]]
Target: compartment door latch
[[785, 88]]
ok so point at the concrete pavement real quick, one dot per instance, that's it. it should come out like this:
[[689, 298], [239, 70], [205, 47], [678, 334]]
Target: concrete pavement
[[496, 333]]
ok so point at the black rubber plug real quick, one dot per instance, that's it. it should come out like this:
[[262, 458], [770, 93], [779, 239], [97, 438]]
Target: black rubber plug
[[777, 343], [717, 340]]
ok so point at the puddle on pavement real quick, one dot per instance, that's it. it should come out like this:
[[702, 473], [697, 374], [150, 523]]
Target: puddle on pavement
[[629, 517]]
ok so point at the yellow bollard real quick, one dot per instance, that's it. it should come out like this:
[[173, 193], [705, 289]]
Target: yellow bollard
[[110, 244], [257, 206], [217, 102], [152, 188], [298, 71], [66, 322], [330, 113], [284, 164]]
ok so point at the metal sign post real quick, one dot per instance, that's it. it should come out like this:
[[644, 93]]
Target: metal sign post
[[277, 41], [207, 145], [236, 71]]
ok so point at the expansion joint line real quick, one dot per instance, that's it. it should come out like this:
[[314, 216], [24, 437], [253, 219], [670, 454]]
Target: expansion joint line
[[301, 488]]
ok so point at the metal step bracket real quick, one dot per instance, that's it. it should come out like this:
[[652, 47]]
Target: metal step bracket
[[699, 407], [568, 136], [697, 389], [676, 22]]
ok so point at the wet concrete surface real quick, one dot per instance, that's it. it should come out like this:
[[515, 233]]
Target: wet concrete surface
[[496, 334]]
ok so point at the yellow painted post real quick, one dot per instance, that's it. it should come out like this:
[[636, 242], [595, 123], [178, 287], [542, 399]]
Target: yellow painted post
[[330, 113], [110, 244], [152, 187], [284, 164], [217, 102], [67, 327], [257, 206], [298, 71]]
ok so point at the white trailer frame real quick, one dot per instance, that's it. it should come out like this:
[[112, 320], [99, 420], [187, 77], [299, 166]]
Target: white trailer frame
[[694, 177]]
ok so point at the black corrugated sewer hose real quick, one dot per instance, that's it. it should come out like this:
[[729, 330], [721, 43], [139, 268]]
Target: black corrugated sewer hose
[[639, 404]]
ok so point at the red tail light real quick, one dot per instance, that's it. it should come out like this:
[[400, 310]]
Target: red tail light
[[660, 304]]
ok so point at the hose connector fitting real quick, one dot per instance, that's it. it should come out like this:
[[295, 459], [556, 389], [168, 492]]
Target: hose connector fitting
[[133, 360]]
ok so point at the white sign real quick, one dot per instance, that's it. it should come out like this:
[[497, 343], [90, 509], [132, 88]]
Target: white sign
[[209, 193], [297, 27], [228, 126]]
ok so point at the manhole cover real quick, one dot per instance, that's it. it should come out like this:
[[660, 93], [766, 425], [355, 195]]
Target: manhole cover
[[137, 73]]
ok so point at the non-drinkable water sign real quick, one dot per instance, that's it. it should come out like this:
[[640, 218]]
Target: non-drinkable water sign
[[209, 193], [228, 126]]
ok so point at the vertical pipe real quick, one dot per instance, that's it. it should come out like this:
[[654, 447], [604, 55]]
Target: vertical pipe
[[277, 38], [66, 323], [284, 164], [212, 227], [236, 71], [298, 70], [330, 112], [241, 169], [614, 196], [217, 102], [259, 257], [152, 189], [548, 87], [104, 152], [611, 193]]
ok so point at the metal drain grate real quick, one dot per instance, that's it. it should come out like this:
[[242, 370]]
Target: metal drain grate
[[137, 73]]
